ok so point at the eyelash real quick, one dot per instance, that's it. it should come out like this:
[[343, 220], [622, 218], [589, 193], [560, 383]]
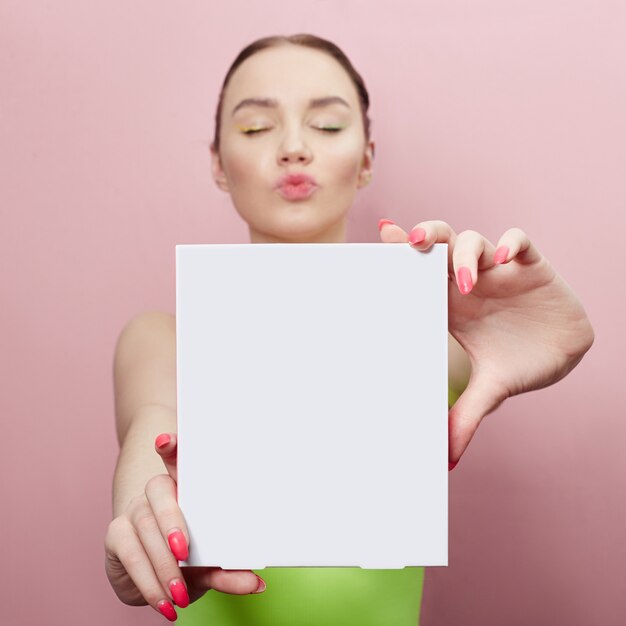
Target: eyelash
[[260, 130]]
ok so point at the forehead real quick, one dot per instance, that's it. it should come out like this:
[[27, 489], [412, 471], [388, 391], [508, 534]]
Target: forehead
[[291, 74]]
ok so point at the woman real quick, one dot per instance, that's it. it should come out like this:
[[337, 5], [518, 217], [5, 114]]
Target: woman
[[292, 146]]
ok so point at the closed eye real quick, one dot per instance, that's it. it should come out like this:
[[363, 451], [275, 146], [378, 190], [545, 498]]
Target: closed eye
[[253, 131]]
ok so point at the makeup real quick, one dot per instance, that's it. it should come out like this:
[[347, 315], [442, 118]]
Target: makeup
[[296, 186], [250, 129]]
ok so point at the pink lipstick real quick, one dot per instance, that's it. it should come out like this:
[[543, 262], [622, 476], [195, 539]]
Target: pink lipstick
[[296, 186]]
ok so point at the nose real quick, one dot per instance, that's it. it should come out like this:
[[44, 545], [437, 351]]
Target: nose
[[293, 149]]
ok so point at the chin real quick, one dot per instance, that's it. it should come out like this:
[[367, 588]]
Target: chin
[[314, 223], [294, 231], [294, 221], [299, 232]]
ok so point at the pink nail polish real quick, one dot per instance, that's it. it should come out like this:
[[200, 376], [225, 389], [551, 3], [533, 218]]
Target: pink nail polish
[[162, 440], [179, 593], [417, 235], [166, 608], [178, 544], [261, 586], [381, 223], [500, 256], [465, 280]]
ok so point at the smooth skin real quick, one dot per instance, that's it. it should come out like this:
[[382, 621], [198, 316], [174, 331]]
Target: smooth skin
[[519, 324]]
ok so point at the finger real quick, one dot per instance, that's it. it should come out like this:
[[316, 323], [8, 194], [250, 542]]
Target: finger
[[164, 564], [132, 555], [161, 495], [390, 232], [166, 444], [472, 252], [237, 582], [481, 397], [425, 234], [515, 244]]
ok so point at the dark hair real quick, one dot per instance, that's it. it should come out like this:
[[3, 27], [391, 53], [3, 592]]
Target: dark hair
[[302, 39]]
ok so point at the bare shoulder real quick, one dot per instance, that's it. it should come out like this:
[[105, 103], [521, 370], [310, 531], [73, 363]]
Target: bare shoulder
[[144, 367]]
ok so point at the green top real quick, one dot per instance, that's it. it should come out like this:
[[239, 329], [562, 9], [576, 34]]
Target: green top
[[318, 596]]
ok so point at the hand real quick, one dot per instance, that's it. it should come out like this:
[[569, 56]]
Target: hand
[[140, 566], [521, 325]]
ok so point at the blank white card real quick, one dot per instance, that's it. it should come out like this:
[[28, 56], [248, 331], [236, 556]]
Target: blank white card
[[312, 404]]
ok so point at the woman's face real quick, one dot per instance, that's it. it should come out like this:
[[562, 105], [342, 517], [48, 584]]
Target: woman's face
[[271, 126]]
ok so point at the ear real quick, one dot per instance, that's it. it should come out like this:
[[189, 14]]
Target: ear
[[218, 173], [367, 165]]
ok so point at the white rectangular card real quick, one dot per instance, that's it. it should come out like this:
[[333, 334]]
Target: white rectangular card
[[312, 404]]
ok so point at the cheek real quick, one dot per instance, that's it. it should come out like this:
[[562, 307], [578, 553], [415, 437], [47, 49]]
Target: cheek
[[345, 165], [237, 166], [343, 158], [242, 167]]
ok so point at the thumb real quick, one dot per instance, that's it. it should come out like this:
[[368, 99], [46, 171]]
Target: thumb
[[481, 397], [390, 232], [237, 582], [166, 445]]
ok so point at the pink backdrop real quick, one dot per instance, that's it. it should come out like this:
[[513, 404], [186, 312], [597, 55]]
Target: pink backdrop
[[487, 114]]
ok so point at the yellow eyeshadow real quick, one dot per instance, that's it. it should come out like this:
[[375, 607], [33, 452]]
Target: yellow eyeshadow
[[243, 129]]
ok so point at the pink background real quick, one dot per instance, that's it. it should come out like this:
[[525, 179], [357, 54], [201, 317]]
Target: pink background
[[487, 114]]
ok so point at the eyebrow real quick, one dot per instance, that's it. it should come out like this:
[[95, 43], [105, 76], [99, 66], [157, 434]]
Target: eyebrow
[[271, 103]]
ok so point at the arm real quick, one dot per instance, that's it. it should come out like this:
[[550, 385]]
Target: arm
[[144, 376], [148, 535]]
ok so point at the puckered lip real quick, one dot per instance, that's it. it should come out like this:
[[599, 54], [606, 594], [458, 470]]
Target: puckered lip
[[295, 179]]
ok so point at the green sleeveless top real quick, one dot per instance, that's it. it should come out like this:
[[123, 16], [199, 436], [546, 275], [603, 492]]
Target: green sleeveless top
[[318, 596]]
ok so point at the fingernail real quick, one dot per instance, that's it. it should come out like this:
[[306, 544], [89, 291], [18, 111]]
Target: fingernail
[[178, 544], [381, 223], [166, 608], [179, 593], [465, 280], [500, 255], [261, 586], [417, 235], [451, 466], [162, 440]]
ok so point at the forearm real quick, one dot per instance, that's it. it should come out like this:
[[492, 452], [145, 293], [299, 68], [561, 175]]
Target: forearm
[[138, 460]]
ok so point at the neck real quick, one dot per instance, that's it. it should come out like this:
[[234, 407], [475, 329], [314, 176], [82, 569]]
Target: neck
[[335, 234]]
